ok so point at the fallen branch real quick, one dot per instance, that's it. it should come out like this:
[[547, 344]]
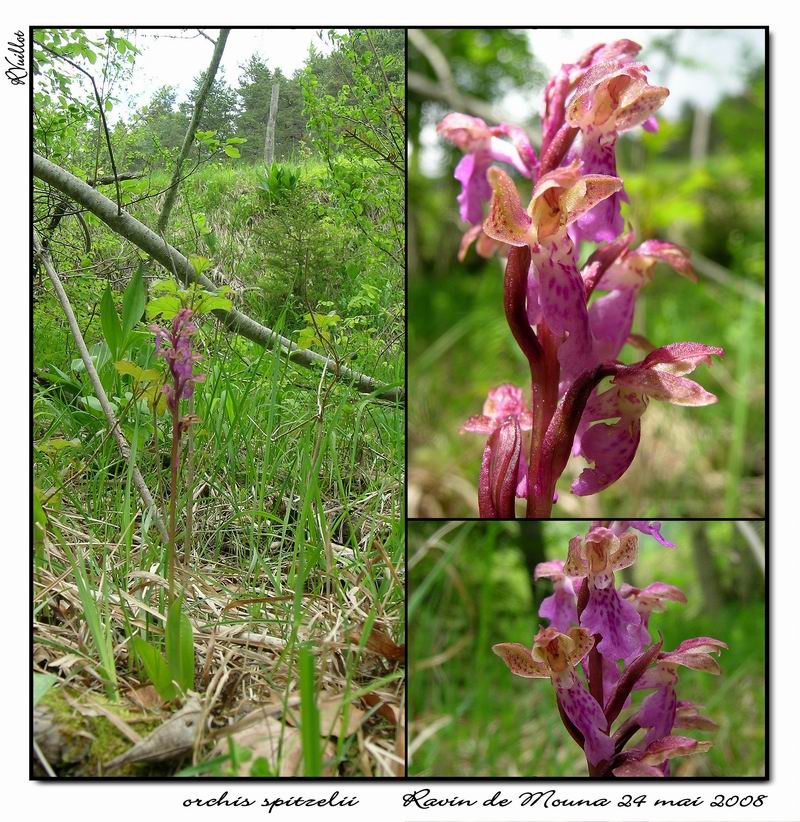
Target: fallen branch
[[138, 479], [172, 260]]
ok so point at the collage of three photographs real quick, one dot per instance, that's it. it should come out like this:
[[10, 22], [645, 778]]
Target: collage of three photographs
[[358, 365]]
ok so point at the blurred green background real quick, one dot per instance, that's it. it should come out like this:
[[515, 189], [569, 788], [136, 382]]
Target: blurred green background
[[471, 586], [698, 181]]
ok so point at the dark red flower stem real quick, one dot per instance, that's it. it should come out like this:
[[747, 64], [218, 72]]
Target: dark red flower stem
[[173, 502], [542, 354], [514, 302], [583, 600], [544, 384], [595, 659], [625, 732]]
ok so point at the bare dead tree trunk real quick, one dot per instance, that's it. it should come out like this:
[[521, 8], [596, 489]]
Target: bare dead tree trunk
[[269, 140], [173, 261], [188, 139], [701, 127]]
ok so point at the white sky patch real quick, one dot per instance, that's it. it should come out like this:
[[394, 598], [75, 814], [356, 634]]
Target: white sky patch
[[718, 53], [719, 70], [175, 57]]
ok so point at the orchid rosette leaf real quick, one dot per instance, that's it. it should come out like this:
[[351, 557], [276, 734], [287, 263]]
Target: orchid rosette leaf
[[572, 324], [598, 651]]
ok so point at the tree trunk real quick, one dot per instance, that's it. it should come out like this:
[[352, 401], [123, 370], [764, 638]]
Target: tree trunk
[[188, 139], [701, 126], [531, 544], [269, 140], [704, 562]]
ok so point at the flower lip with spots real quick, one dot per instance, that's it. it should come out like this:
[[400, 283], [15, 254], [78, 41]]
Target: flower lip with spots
[[597, 651]]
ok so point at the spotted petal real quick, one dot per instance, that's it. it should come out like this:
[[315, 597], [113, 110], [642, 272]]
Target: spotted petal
[[657, 714], [671, 746], [576, 565], [588, 717], [617, 622], [519, 660], [680, 358], [508, 222], [562, 299], [662, 385], [696, 654], [583, 642]]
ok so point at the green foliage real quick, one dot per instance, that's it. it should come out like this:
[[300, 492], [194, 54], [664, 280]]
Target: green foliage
[[213, 144], [42, 683], [220, 107], [309, 715], [171, 674], [173, 298], [119, 334], [318, 330], [278, 181], [360, 134], [98, 622], [255, 93], [155, 667], [277, 468], [180, 647]]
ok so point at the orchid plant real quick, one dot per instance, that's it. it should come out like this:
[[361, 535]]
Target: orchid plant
[[572, 342], [175, 346], [598, 649]]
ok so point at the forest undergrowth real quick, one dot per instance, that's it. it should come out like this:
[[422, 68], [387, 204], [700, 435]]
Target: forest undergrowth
[[282, 652]]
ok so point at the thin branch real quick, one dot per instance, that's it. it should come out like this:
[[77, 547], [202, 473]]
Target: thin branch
[[113, 423], [210, 39], [754, 542], [101, 109], [166, 255], [444, 88]]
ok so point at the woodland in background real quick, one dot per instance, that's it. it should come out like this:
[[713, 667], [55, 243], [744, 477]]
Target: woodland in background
[[283, 652]]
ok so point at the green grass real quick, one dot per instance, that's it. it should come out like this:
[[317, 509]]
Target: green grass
[[468, 716], [293, 489]]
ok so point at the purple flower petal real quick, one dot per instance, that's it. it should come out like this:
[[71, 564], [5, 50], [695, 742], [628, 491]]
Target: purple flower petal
[[617, 622], [657, 713], [475, 188], [611, 448], [561, 607], [563, 301], [588, 717], [610, 321]]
